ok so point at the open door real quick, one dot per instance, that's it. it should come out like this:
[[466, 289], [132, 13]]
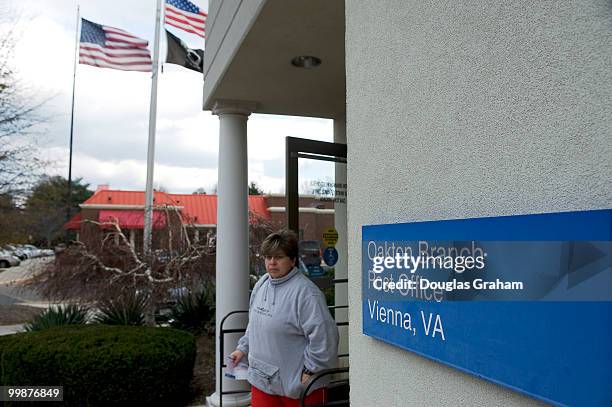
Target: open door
[[318, 233], [331, 238]]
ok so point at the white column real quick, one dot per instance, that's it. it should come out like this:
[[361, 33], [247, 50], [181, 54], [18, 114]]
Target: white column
[[341, 267], [133, 238], [232, 269]]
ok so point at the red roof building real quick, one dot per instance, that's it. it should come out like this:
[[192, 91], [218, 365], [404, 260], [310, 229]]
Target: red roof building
[[198, 212]]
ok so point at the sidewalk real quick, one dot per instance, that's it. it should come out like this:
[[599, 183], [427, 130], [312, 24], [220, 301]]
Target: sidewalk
[[13, 286], [12, 292], [10, 329], [21, 273], [14, 275]]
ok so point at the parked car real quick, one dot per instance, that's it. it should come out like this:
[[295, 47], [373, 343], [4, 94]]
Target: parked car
[[8, 260], [47, 252], [32, 251], [16, 251]]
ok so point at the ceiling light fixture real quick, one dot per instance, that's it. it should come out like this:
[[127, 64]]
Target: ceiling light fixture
[[306, 62]]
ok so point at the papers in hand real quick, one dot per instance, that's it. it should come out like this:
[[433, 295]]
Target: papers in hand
[[236, 372]]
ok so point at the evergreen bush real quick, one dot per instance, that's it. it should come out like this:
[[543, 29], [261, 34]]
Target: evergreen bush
[[70, 314], [195, 311], [122, 311], [103, 365]]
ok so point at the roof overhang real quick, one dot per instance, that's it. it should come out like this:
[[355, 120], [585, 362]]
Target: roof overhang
[[320, 211], [129, 207], [249, 50]]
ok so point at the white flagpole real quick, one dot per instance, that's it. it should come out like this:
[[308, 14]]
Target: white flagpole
[[148, 210]]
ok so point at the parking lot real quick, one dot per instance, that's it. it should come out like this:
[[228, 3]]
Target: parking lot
[[12, 291], [19, 304]]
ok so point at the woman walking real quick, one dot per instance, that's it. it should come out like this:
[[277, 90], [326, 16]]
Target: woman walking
[[291, 334]]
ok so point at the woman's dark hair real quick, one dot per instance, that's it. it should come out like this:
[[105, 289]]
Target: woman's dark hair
[[284, 240]]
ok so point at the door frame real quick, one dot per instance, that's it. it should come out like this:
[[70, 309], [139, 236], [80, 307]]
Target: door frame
[[304, 148]]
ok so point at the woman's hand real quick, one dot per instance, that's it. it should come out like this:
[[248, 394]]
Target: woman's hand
[[305, 378], [236, 356]]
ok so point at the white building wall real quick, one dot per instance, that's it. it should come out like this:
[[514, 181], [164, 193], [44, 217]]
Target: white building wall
[[468, 109]]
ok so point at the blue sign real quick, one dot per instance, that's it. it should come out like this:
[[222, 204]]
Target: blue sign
[[523, 301], [330, 256]]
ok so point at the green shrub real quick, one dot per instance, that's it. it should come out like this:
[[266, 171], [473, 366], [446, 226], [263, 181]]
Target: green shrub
[[70, 314], [104, 365], [5, 343], [195, 311], [122, 311]]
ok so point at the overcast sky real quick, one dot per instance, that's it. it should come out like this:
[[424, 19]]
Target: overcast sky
[[112, 107]]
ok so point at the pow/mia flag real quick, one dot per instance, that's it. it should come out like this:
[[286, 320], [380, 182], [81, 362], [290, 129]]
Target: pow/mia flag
[[178, 53]]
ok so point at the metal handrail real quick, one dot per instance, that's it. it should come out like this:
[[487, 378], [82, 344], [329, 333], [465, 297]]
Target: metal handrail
[[316, 377], [222, 364], [232, 313]]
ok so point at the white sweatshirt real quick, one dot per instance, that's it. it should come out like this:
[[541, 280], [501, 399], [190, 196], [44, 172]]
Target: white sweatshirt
[[289, 328]]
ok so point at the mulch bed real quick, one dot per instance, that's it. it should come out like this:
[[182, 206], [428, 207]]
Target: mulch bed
[[17, 314], [203, 382]]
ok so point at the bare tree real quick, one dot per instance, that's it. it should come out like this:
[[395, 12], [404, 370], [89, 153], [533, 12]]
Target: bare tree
[[114, 267], [20, 113], [259, 229], [109, 266]]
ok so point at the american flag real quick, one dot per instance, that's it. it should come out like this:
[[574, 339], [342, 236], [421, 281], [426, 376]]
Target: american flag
[[108, 47], [185, 15]]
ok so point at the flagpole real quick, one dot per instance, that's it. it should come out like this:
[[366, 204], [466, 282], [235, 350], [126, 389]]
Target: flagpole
[[76, 46], [148, 209]]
